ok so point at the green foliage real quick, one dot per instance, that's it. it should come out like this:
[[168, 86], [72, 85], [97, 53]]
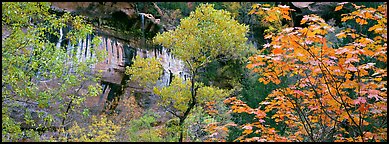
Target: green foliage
[[94, 90], [223, 74], [35, 69], [10, 130], [172, 128], [178, 94], [212, 42], [233, 7], [240, 10], [145, 71], [211, 93], [32, 135], [197, 121], [252, 93], [142, 130]]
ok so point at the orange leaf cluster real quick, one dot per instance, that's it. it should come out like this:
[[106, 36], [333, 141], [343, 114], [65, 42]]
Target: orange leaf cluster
[[271, 13]]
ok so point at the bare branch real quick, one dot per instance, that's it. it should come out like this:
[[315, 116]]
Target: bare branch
[[158, 9]]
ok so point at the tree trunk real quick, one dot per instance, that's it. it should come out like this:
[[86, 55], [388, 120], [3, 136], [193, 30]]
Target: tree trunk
[[181, 129], [191, 105]]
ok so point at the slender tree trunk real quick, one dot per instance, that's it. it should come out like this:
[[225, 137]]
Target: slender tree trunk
[[181, 129], [191, 105], [70, 104]]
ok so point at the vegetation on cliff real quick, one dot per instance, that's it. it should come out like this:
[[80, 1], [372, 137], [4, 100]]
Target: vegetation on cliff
[[267, 71]]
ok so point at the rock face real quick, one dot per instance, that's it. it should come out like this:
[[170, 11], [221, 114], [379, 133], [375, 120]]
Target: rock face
[[323, 9], [171, 65], [18, 111], [120, 55], [121, 47], [113, 66], [320, 8], [315, 6], [302, 4], [117, 19], [96, 9]]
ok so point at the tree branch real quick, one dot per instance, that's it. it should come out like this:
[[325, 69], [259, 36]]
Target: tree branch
[[173, 113], [70, 103], [158, 9], [302, 120], [336, 89]]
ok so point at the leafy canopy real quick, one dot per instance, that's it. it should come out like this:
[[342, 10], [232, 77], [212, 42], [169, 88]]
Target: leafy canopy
[[178, 94], [145, 71], [204, 35]]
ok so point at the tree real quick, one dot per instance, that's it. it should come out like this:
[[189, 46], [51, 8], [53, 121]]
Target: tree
[[37, 70], [101, 129], [145, 71], [206, 35], [336, 93], [142, 130]]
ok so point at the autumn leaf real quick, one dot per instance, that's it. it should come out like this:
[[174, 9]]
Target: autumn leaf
[[365, 41], [332, 86], [247, 131], [368, 15], [374, 27], [266, 5], [225, 129], [360, 100], [363, 108], [361, 21], [304, 20], [260, 114], [324, 42], [249, 127], [375, 94], [310, 33], [272, 18], [356, 6], [339, 7], [252, 11], [341, 35], [250, 66], [277, 51], [352, 59], [298, 92], [254, 6], [268, 36], [286, 17]]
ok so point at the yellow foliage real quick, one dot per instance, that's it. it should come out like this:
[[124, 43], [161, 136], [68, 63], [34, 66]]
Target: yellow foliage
[[101, 130], [145, 71], [178, 94], [204, 35]]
